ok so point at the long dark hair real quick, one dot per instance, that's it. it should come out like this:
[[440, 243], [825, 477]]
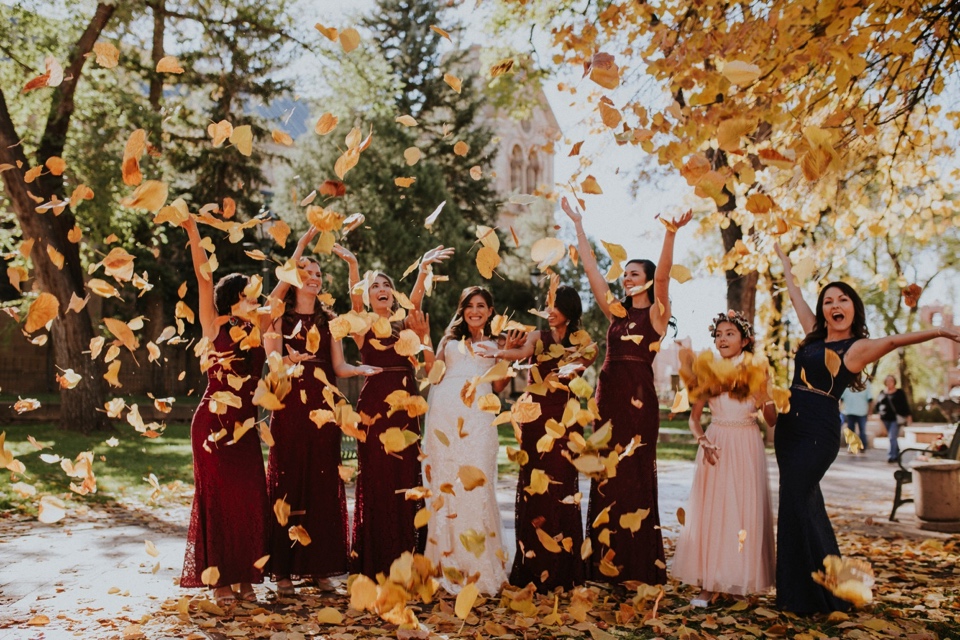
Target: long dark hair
[[568, 303], [227, 292], [458, 329], [650, 271], [322, 314], [858, 329]]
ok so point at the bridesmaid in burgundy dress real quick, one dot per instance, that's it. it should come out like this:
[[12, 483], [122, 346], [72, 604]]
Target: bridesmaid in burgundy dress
[[532, 562], [625, 379], [304, 461], [227, 523], [383, 520]]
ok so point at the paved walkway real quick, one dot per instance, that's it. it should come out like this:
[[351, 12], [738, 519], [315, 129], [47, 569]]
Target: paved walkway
[[92, 576]]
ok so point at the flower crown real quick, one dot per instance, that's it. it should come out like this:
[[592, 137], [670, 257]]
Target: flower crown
[[734, 317]]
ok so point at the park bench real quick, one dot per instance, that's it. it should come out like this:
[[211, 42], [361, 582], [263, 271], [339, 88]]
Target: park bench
[[904, 475]]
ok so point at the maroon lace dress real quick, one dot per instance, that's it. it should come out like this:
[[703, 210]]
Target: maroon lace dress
[[627, 375], [532, 562], [383, 519], [303, 468], [228, 520]]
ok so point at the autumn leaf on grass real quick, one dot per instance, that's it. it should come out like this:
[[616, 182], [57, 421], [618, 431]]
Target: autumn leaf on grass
[[44, 309], [329, 615], [471, 477], [169, 64]]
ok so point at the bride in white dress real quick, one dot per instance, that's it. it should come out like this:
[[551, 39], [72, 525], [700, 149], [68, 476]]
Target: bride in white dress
[[464, 533]]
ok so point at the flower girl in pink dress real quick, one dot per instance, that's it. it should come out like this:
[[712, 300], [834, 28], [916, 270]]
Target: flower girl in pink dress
[[726, 544]]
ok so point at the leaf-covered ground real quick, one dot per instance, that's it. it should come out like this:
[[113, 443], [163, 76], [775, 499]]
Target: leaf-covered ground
[[91, 575]]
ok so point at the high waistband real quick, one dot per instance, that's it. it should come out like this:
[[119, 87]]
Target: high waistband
[[409, 370], [625, 358], [746, 422], [816, 391]]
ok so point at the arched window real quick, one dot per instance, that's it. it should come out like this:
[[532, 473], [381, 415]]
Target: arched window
[[516, 169], [533, 172]]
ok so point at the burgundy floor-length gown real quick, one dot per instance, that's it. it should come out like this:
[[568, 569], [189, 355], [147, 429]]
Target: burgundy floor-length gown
[[383, 519], [627, 377], [228, 520], [532, 562], [303, 467]]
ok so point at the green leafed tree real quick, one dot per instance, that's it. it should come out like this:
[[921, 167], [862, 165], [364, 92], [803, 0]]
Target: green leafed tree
[[399, 70]]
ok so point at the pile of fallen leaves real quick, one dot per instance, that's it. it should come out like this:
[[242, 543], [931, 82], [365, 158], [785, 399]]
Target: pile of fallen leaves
[[917, 596]]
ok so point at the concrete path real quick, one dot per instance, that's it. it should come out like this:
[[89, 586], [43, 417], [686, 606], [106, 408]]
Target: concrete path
[[92, 577]]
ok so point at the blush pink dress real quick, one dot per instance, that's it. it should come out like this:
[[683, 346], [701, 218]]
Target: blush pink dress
[[725, 499]]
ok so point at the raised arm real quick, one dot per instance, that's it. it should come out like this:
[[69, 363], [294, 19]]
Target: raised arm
[[660, 313], [282, 287], [273, 337], [435, 255], [807, 318], [598, 283], [353, 267], [868, 350], [206, 307], [419, 323]]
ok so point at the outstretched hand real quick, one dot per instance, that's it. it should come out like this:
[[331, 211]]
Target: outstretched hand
[[572, 212], [437, 254], [343, 253], [366, 370], [711, 452], [307, 237], [675, 224], [514, 339], [782, 255], [419, 323]]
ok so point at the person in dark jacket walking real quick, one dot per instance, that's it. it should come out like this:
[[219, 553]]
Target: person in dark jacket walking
[[894, 412]]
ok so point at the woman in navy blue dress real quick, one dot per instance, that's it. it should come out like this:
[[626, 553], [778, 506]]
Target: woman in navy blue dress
[[831, 357]]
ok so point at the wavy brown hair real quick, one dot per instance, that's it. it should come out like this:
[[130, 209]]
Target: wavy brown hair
[[858, 329], [322, 314], [458, 329]]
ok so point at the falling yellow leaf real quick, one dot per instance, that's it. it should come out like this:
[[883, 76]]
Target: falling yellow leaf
[[281, 137], [169, 64], [282, 511], [474, 542], [471, 477], [547, 252], [349, 39], [487, 260], [151, 548], [412, 155], [461, 148], [210, 576], [680, 273], [590, 185], [633, 520], [454, 82], [51, 509], [476, 172], [465, 600], [149, 196], [44, 309], [407, 121], [242, 139], [326, 124], [681, 402], [443, 34], [432, 218], [298, 534], [108, 56], [329, 32], [403, 183], [422, 518], [603, 70]]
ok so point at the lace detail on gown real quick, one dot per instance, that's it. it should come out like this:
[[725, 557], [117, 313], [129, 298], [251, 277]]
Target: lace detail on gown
[[464, 516]]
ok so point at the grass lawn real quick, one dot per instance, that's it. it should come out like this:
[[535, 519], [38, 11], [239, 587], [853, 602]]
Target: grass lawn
[[121, 470]]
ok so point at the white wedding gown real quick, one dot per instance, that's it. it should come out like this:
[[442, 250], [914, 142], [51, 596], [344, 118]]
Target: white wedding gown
[[466, 518]]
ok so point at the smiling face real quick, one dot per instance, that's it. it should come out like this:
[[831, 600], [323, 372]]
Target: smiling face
[[312, 277], [838, 310], [728, 340], [633, 277], [556, 319], [476, 313], [381, 295]]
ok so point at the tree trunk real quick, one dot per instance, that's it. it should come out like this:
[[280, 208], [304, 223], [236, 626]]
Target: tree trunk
[[156, 80], [741, 287], [71, 331]]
